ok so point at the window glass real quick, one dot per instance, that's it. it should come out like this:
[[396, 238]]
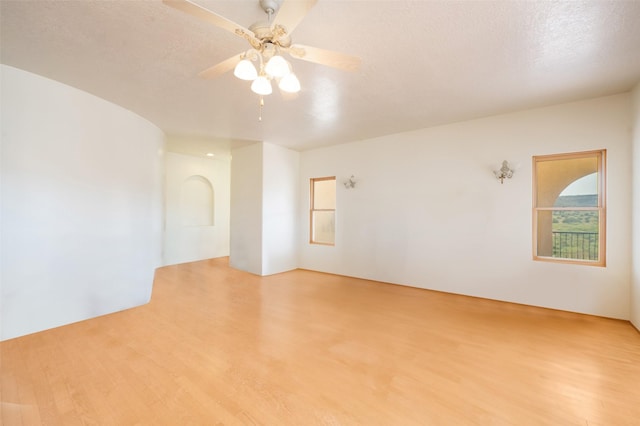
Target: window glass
[[569, 207], [324, 227], [553, 176], [323, 210], [324, 192]]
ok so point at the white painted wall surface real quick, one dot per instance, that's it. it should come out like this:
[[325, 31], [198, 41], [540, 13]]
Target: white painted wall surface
[[428, 212], [81, 205], [184, 240], [2, 133], [246, 209], [280, 194], [264, 207], [635, 266]]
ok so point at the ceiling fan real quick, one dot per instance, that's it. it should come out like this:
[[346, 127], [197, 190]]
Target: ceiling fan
[[268, 40]]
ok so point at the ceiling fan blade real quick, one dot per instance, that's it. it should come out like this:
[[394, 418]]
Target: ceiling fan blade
[[213, 18], [325, 57], [291, 13], [221, 68]]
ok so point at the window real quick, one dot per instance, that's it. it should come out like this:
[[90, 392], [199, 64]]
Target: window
[[569, 208], [323, 211]]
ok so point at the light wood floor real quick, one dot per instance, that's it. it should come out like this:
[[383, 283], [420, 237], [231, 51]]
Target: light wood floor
[[218, 346]]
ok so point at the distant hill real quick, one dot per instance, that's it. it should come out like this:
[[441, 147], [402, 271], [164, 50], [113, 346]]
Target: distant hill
[[590, 200]]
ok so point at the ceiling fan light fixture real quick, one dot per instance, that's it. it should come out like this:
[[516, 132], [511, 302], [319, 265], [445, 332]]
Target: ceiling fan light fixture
[[261, 85], [289, 83], [245, 70], [277, 67], [268, 40]]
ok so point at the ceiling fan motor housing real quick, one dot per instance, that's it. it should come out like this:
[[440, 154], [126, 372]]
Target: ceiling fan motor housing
[[267, 39], [264, 33]]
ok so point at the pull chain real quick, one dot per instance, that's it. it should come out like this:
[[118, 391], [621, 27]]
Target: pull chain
[[261, 106]]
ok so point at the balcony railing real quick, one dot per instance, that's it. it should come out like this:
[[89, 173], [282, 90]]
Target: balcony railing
[[575, 245]]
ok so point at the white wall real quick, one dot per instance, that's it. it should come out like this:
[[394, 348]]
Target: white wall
[[185, 241], [264, 196], [635, 271], [246, 209], [428, 212], [81, 205], [280, 209], [2, 136]]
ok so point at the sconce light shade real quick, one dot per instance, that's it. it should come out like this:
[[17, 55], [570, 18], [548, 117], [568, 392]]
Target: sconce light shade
[[245, 70], [289, 83], [505, 172], [261, 86], [351, 183], [277, 67]]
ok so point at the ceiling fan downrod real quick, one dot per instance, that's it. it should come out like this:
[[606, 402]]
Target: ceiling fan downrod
[[270, 7]]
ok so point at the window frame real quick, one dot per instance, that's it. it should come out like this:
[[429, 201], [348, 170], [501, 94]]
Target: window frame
[[312, 209], [600, 155]]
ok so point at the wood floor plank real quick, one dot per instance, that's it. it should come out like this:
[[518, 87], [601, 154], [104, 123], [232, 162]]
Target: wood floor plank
[[219, 346]]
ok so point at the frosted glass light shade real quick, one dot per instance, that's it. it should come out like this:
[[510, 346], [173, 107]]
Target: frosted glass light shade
[[261, 86], [277, 67], [245, 70], [289, 83]]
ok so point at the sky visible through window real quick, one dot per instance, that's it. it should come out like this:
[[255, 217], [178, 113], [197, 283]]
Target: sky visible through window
[[586, 185]]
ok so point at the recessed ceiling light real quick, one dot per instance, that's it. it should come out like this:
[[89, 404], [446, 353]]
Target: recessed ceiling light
[[210, 154]]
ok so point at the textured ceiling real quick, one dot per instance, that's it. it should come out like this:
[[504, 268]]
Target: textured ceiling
[[424, 63]]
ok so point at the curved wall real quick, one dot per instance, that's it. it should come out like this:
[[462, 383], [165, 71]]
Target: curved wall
[[81, 205]]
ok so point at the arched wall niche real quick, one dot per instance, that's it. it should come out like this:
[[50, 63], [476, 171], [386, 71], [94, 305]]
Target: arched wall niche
[[197, 202]]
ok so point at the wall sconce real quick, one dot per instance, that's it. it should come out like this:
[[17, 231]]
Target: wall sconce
[[505, 172], [351, 183]]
